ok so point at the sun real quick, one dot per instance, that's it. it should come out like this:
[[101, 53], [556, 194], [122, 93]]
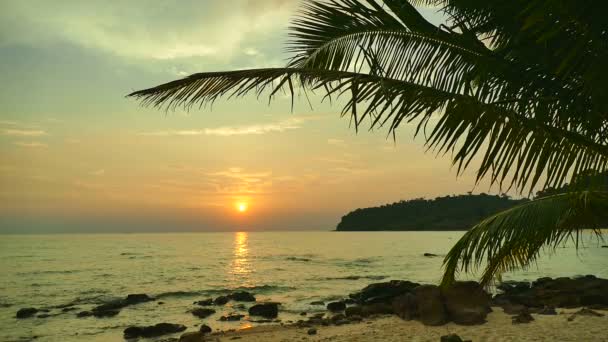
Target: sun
[[241, 207]]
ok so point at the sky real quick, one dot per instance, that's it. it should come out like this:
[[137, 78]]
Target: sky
[[77, 156]]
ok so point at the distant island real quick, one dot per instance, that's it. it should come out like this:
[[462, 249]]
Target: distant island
[[459, 212]]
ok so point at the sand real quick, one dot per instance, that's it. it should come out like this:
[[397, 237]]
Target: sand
[[392, 328]]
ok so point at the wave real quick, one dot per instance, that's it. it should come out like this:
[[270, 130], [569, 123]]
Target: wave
[[210, 292]]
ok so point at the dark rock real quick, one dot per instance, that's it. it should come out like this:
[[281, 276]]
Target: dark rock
[[153, 330], [69, 308], [312, 331], [431, 310], [585, 312], [353, 310], [202, 312], [205, 329], [44, 315], [160, 303], [522, 317], [221, 300], [26, 312], [513, 286], [268, 310], [84, 314], [318, 302], [376, 309], [106, 313], [336, 306], [451, 338], [430, 255], [337, 317], [466, 302], [193, 336], [205, 302], [547, 310], [349, 301], [303, 313], [133, 299], [604, 246], [242, 296], [383, 292], [232, 317], [405, 306], [355, 318]]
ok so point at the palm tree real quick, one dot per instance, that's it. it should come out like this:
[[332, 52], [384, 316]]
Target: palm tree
[[520, 84]]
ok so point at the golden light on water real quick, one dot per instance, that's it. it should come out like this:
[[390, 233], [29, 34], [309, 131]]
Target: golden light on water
[[240, 265]]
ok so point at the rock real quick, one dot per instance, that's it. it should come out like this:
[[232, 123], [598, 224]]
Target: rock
[[137, 298], [547, 310], [604, 246], [221, 300], [204, 302], [513, 286], [44, 315], [383, 292], [268, 310], [337, 317], [353, 310], [153, 330], [318, 302], [585, 312], [451, 338], [312, 331], [106, 313], [242, 296], [205, 329], [336, 306], [405, 306], [431, 310], [523, 317], [430, 255], [84, 314], [466, 302], [202, 312], [303, 313], [349, 301], [160, 303], [194, 336], [69, 308], [376, 309], [232, 317], [26, 312]]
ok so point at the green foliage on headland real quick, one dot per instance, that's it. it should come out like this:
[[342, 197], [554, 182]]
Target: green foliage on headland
[[458, 212]]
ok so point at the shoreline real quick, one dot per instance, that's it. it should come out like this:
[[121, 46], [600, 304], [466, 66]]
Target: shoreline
[[391, 328]]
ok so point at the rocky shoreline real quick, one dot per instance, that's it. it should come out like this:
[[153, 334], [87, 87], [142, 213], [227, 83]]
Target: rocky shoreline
[[464, 303]]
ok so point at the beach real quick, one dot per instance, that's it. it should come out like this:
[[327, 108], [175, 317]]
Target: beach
[[391, 328]]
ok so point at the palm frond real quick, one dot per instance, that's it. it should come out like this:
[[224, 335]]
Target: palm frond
[[515, 238]]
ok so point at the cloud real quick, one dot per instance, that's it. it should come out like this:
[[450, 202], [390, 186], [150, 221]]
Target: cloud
[[99, 172], [24, 132], [226, 131], [31, 144], [137, 29]]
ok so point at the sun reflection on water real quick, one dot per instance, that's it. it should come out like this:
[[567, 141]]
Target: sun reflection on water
[[240, 266]]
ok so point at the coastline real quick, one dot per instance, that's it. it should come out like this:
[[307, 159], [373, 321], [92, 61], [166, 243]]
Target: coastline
[[392, 328]]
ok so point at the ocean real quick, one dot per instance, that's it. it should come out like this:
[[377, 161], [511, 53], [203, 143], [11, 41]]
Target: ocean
[[294, 268]]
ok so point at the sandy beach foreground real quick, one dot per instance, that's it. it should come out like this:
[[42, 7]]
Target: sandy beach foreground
[[392, 328]]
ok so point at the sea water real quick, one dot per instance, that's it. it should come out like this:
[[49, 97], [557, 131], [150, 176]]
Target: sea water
[[294, 268]]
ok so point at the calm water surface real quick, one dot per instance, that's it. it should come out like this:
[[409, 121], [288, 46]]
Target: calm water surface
[[293, 268]]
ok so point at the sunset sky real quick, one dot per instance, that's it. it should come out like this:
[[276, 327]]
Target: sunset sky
[[77, 156]]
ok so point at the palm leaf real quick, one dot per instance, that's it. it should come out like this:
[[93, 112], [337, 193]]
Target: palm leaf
[[515, 238]]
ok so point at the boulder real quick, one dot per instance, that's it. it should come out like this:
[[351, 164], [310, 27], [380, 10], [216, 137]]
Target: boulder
[[268, 310], [522, 317], [232, 317], [353, 310], [318, 302], [153, 330], [376, 309], [194, 336], [205, 329], [137, 298], [202, 312], [430, 255], [431, 310], [105, 313], [466, 302], [204, 302], [514, 309], [336, 306], [383, 292], [405, 306], [312, 331], [84, 314], [451, 338], [26, 312], [242, 296], [221, 300]]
